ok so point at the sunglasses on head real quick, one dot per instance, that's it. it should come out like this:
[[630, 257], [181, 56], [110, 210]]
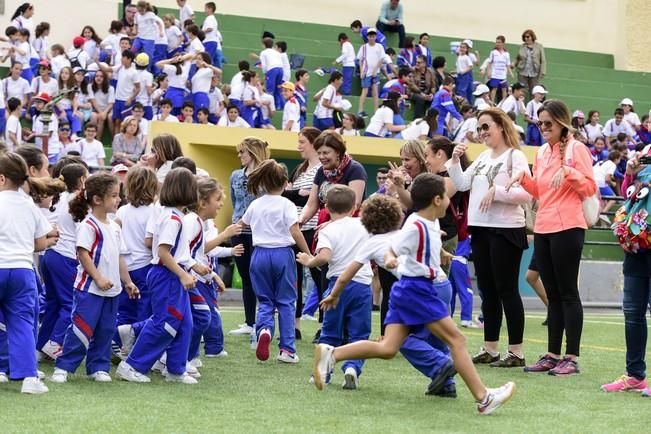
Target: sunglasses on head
[[547, 125]]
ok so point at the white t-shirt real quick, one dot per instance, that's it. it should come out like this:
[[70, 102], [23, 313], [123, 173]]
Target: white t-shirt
[[464, 62], [202, 80], [42, 46], [23, 59], [239, 122], [267, 104], [216, 97], [104, 244], [210, 23], [468, 125], [632, 118], [102, 99], [270, 218], [58, 63], [532, 109], [21, 223], [344, 237], [197, 232], [134, 229], [481, 104], [169, 230], [185, 13], [370, 59], [374, 249], [593, 132], [611, 129], [51, 87], [91, 152], [15, 88], [13, 126], [146, 23], [126, 82], [177, 81], [292, 112], [160, 39], [347, 57], [146, 80], [418, 245], [510, 104], [329, 94], [601, 170], [53, 144], [80, 55], [383, 116], [67, 227], [174, 36], [500, 62], [269, 59], [287, 69], [196, 46]]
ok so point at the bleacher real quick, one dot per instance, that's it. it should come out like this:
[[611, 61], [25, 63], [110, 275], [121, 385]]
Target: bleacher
[[584, 80]]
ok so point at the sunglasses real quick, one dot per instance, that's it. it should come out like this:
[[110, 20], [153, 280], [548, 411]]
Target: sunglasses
[[546, 125], [64, 129], [483, 127]]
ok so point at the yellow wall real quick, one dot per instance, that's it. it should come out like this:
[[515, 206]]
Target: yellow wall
[[213, 149]]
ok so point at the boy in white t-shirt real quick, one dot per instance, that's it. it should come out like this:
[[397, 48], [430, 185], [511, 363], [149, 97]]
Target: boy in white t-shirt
[[370, 56], [347, 61], [212, 42], [185, 11], [13, 130], [292, 110], [271, 63], [604, 176], [92, 150], [514, 102]]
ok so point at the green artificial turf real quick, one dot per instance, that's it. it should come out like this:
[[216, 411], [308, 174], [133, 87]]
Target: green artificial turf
[[240, 394]]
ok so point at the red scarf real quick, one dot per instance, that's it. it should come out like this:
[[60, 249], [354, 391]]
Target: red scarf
[[334, 175]]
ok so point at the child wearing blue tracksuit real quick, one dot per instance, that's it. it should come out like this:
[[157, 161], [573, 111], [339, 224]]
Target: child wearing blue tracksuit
[[443, 102], [414, 301], [23, 230], [337, 243], [170, 327], [274, 224], [97, 284], [461, 284]]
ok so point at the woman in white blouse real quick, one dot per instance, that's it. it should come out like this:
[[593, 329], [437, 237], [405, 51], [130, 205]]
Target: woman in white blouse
[[497, 225]]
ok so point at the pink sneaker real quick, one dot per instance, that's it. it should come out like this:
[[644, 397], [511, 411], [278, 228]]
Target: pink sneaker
[[625, 384]]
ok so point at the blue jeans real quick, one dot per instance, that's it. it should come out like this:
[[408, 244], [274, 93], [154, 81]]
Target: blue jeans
[[637, 296]]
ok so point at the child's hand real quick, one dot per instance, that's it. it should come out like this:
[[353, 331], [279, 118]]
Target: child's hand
[[391, 262], [132, 290], [188, 281], [446, 257], [238, 250], [219, 282], [328, 303], [233, 230], [201, 269], [103, 283], [303, 258]]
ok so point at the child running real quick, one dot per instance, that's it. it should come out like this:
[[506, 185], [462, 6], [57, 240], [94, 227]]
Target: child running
[[414, 301], [274, 224], [97, 285]]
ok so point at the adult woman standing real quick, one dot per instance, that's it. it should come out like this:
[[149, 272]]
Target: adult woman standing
[[251, 152], [497, 224], [562, 178], [530, 61], [298, 192], [337, 167], [127, 146]]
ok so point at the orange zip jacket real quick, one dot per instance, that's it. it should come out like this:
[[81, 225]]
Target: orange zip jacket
[[561, 209]]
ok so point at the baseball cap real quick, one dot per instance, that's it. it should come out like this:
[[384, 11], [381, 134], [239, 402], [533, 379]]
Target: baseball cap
[[44, 63], [626, 101], [119, 168], [468, 42], [142, 59], [481, 89], [43, 97], [288, 85], [77, 69], [371, 30], [538, 89], [578, 114], [517, 85], [78, 41]]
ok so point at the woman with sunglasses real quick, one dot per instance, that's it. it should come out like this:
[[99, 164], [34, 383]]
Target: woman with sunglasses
[[562, 178], [497, 224]]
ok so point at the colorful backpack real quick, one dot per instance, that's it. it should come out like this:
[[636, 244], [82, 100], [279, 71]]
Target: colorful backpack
[[632, 223]]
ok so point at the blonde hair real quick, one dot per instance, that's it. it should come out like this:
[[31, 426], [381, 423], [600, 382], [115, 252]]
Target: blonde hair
[[416, 149], [257, 148], [510, 135], [125, 124]]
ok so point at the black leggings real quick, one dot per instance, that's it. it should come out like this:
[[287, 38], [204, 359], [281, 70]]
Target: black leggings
[[497, 265], [314, 272], [243, 266], [558, 256], [387, 279]]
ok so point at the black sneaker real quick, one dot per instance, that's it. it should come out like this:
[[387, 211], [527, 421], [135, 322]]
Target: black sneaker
[[375, 308], [297, 335], [449, 391], [510, 361], [317, 336], [440, 378], [544, 323], [484, 357]]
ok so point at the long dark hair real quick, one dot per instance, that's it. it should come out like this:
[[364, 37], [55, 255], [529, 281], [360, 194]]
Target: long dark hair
[[20, 10], [105, 84], [442, 143], [98, 184], [95, 38], [310, 133]]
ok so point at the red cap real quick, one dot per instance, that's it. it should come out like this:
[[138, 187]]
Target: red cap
[[44, 63], [43, 97], [78, 41]]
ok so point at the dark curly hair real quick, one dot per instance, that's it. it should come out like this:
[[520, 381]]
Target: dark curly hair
[[381, 214]]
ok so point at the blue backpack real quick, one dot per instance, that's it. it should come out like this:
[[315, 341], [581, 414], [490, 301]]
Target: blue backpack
[[632, 223]]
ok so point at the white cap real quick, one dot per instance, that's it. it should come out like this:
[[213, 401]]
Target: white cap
[[481, 89], [626, 101], [468, 42], [538, 89], [119, 168], [346, 105], [371, 30]]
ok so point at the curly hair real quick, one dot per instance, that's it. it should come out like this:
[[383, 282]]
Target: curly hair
[[381, 214]]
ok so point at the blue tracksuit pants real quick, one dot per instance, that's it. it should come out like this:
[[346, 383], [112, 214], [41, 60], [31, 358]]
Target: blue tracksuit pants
[[200, 308], [58, 273]]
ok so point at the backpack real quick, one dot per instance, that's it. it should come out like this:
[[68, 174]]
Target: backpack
[[74, 61], [632, 222]]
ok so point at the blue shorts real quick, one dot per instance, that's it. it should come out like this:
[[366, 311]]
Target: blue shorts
[[369, 81], [606, 191], [496, 83], [414, 301], [323, 123], [118, 108]]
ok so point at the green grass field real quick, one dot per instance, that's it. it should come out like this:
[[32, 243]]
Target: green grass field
[[240, 394]]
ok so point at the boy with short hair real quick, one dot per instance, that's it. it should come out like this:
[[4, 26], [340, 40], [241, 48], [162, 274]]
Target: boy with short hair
[[271, 63], [300, 92], [202, 116], [165, 114], [127, 85], [187, 113], [13, 130], [514, 102], [292, 110], [617, 125], [212, 41], [91, 149], [347, 61], [370, 56], [339, 242], [356, 27]]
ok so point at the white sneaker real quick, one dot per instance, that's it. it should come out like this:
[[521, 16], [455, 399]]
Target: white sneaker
[[59, 376], [191, 371], [324, 362], [4, 378], [33, 386], [184, 378], [196, 362], [40, 375], [307, 317], [126, 372], [496, 398], [351, 382], [161, 364], [287, 357], [222, 353], [469, 324], [243, 330], [101, 377], [128, 338], [51, 349]]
